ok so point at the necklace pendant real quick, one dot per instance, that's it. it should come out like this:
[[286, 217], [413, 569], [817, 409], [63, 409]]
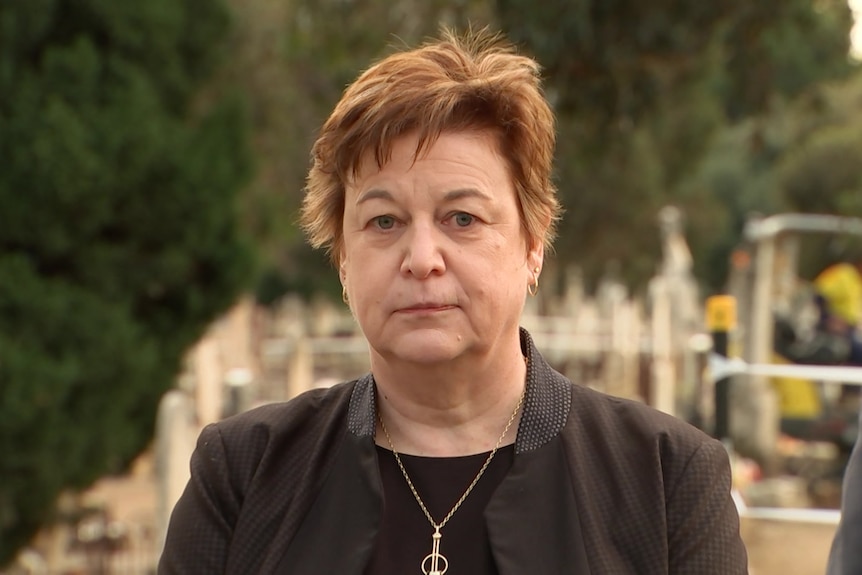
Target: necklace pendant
[[435, 563]]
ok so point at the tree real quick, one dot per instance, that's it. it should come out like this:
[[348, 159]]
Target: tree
[[642, 89], [819, 170], [118, 232], [644, 92], [801, 156]]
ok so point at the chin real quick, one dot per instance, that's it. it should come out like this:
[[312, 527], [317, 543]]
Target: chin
[[424, 346]]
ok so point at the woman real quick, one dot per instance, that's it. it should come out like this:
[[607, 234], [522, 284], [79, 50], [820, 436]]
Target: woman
[[462, 451]]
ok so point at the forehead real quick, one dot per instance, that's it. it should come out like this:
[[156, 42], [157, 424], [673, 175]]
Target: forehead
[[466, 155]]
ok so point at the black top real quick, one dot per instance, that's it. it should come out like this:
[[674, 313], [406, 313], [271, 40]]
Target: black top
[[405, 534]]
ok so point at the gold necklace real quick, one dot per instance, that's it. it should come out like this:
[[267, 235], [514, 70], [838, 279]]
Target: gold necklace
[[435, 563]]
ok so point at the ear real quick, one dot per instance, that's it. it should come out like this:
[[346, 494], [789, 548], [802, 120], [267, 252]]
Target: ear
[[536, 256], [340, 260]]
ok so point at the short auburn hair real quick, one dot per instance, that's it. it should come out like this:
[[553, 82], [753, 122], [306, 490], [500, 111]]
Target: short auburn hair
[[473, 82]]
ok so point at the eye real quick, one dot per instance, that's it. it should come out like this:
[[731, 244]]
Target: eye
[[463, 219], [384, 222]]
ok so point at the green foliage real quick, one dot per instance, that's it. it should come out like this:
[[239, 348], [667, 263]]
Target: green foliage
[[802, 156], [118, 233], [733, 179], [823, 175], [781, 48], [642, 91], [614, 60], [652, 99], [819, 171]]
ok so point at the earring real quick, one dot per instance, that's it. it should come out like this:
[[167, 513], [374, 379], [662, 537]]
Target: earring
[[533, 288], [344, 297]]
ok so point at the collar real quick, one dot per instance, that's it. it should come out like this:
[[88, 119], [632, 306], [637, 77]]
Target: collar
[[547, 402]]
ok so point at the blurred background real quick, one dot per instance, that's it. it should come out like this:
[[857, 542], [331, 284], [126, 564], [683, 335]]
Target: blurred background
[[153, 278]]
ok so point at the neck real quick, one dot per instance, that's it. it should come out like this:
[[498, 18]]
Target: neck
[[443, 411]]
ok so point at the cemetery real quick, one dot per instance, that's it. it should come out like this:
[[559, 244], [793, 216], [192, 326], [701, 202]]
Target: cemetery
[[658, 350]]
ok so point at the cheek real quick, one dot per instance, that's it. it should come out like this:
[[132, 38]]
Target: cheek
[[370, 289]]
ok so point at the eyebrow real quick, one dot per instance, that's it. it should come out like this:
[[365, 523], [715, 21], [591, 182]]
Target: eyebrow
[[374, 194], [380, 194]]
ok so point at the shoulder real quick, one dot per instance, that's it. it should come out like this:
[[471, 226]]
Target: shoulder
[[600, 410], [651, 486], [311, 408], [635, 436], [309, 422]]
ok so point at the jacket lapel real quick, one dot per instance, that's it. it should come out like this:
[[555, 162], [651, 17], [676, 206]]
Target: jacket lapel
[[532, 518], [339, 532]]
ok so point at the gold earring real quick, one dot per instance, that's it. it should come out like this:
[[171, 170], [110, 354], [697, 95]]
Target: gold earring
[[533, 288], [344, 297]]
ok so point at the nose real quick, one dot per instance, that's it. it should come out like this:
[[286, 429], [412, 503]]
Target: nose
[[423, 251]]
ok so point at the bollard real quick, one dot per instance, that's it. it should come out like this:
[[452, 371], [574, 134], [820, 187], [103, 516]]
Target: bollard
[[720, 321]]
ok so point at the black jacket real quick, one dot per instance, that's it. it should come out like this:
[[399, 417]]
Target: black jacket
[[599, 485]]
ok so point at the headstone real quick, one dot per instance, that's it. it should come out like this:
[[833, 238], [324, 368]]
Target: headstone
[[176, 431]]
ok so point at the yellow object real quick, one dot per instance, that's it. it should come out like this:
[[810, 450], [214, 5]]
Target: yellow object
[[797, 398], [721, 313], [841, 285]]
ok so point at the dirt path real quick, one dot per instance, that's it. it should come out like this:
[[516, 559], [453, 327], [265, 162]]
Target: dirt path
[[780, 548]]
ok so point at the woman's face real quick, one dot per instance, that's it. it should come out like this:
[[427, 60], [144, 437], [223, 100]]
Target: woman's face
[[435, 260]]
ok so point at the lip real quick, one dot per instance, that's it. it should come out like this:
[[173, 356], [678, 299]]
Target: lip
[[426, 308]]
